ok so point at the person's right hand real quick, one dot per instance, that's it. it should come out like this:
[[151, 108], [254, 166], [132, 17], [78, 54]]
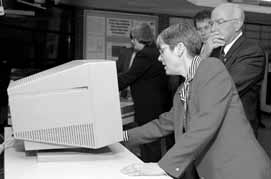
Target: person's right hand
[[143, 169], [215, 40]]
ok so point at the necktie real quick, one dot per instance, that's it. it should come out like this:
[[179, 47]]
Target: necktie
[[222, 55], [184, 91]]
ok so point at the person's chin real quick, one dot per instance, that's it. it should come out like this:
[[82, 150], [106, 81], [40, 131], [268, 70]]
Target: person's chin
[[204, 39], [168, 72]]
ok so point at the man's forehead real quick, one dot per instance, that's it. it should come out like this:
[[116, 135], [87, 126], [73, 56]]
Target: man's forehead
[[221, 13]]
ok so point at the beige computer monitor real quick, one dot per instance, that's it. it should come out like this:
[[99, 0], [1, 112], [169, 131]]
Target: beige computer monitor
[[75, 104]]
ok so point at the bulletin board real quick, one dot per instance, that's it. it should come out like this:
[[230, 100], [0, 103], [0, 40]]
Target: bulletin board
[[104, 32]]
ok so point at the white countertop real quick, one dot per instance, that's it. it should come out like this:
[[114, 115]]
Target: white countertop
[[98, 164]]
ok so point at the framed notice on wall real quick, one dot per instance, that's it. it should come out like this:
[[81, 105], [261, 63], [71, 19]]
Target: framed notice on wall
[[105, 32]]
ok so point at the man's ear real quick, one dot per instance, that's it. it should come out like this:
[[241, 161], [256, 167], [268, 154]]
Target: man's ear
[[179, 48], [238, 25]]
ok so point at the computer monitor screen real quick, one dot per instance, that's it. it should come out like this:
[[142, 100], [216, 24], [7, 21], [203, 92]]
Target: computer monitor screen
[[75, 104]]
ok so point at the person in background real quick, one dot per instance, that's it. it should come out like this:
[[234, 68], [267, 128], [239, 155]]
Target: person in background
[[244, 58], [207, 117], [148, 83], [202, 23]]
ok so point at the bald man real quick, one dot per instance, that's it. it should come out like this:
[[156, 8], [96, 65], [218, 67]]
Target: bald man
[[244, 59]]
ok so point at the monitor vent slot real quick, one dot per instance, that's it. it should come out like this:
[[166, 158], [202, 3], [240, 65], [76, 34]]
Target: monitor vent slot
[[75, 135]]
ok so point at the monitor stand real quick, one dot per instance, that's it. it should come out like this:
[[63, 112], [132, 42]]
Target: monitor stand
[[74, 155], [58, 153]]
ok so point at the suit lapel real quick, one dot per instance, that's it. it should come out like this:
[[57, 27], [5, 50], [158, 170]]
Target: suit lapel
[[128, 56], [229, 57], [216, 52]]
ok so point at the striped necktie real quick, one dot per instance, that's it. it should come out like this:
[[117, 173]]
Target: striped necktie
[[184, 91]]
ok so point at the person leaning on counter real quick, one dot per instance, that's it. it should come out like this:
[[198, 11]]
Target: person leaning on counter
[[207, 117]]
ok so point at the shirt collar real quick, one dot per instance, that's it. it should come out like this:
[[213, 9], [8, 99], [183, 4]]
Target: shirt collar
[[192, 69], [227, 47]]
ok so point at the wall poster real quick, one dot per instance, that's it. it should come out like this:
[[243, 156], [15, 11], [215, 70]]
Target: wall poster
[[106, 32]]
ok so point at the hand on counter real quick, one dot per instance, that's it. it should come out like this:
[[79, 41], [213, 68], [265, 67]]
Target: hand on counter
[[143, 169]]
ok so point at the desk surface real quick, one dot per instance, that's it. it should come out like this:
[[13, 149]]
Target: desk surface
[[103, 164]]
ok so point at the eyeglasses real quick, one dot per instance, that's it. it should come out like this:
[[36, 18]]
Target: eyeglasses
[[222, 21], [162, 50]]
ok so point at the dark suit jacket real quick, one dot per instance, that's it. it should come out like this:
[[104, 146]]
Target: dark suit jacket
[[219, 138], [148, 83], [124, 59], [245, 62]]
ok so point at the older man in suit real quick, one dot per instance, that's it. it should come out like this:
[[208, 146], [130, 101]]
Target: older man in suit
[[207, 117], [244, 58]]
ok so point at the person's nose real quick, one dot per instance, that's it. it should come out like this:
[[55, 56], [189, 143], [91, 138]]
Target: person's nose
[[160, 58], [203, 34], [213, 28]]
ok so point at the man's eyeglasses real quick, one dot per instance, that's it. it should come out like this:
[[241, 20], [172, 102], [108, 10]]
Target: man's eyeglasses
[[222, 21]]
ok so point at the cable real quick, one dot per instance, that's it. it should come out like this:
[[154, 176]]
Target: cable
[[7, 143], [2, 137]]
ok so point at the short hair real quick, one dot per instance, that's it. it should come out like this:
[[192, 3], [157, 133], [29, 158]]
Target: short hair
[[201, 16], [233, 10], [183, 32], [143, 33]]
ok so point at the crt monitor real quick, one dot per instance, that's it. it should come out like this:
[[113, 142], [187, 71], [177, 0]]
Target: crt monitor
[[75, 104]]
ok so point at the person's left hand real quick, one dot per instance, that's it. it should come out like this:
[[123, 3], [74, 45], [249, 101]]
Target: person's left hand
[[143, 169], [215, 40]]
